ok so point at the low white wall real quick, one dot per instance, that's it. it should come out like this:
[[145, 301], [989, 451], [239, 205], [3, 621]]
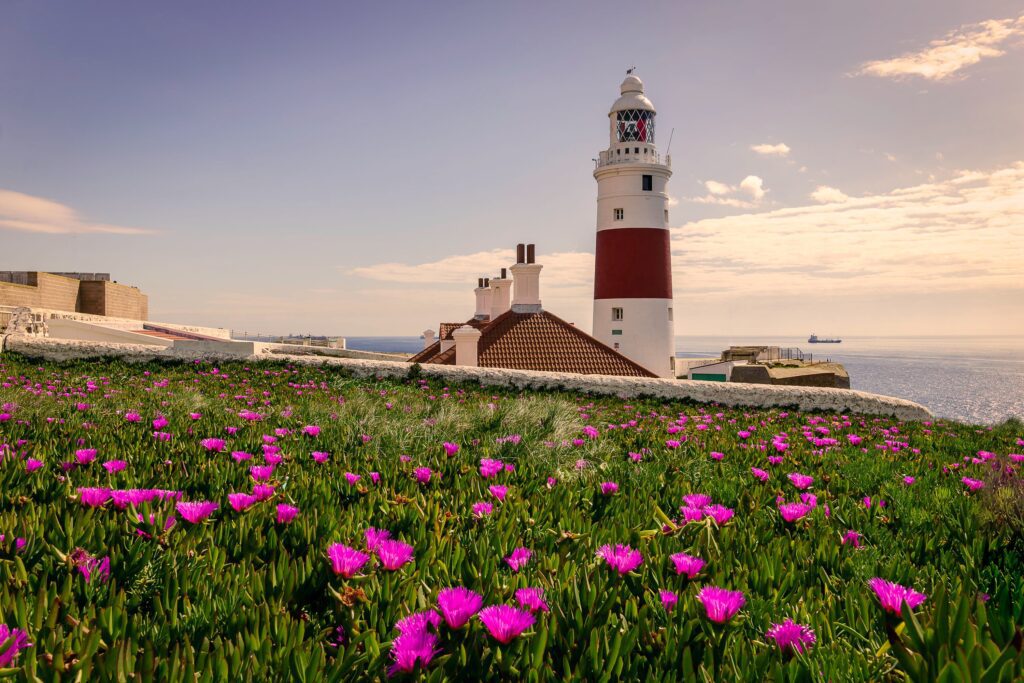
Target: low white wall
[[296, 350], [59, 328], [727, 394]]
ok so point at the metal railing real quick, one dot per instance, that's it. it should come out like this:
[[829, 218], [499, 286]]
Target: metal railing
[[606, 159]]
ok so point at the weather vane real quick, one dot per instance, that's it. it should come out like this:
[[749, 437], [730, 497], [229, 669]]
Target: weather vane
[[630, 70]]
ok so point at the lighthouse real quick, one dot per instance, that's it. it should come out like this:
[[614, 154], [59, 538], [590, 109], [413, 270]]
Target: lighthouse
[[633, 268]]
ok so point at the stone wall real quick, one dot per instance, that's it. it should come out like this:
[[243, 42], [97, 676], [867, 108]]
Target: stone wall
[[727, 394], [113, 299]]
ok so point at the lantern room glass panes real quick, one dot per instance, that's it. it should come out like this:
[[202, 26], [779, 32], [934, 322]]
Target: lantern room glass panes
[[635, 125]]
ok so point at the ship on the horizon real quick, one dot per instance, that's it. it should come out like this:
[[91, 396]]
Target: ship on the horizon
[[813, 339]]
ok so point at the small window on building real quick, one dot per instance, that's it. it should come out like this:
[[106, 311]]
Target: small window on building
[[619, 214], [618, 151], [616, 314], [616, 346], [636, 150], [648, 181], [666, 215], [616, 333], [670, 314]]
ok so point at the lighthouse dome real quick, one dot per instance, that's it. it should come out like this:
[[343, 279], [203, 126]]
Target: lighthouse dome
[[633, 97]]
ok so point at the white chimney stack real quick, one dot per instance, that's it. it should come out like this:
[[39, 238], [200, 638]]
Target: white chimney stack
[[428, 338], [483, 299], [526, 273], [501, 294], [467, 346]]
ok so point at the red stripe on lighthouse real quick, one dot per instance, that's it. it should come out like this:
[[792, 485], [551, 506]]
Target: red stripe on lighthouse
[[633, 263]]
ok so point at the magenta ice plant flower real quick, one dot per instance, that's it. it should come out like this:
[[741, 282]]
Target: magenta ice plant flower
[[113, 466], [263, 491], [32, 464], [892, 595], [374, 537], [286, 513], [609, 488], [791, 636], [972, 484], [532, 599], [84, 456], [697, 500], [93, 497], [12, 642], [719, 513], [458, 605], [241, 501], [412, 648], [320, 456], [668, 600], [760, 474], [519, 558], [687, 564], [498, 491], [311, 430], [195, 512], [490, 468], [450, 449], [213, 445], [393, 554], [482, 509], [791, 512], [801, 481], [261, 472], [505, 623], [351, 478], [852, 537], [621, 558], [422, 474], [720, 604], [346, 561]]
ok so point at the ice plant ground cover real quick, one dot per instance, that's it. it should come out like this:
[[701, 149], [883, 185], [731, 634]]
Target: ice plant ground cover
[[339, 559]]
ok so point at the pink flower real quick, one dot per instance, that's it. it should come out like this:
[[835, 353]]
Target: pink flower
[[346, 561], [93, 497], [717, 456], [352, 478], [498, 491], [482, 509], [286, 513], [791, 636], [636, 457], [458, 605], [809, 499], [854, 439], [375, 477], [668, 600], [505, 623], [195, 512], [91, 567], [791, 512], [411, 648], [320, 456], [490, 468], [393, 554], [422, 474], [85, 456], [720, 604], [113, 466], [374, 537], [311, 430], [214, 445], [195, 416], [263, 491], [760, 474], [450, 449], [159, 423], [532, 599], [892, 595], [908, 480], [241, 501], [801, 481], [775, 459], [13, 641], [691, 514], [31, 465], [261, 472], [972, 484], [590, 432], [852, 537], [239, 456], [697, 500], [609, 488], [621, 558], [519, 558], [132, 417], [719, 513], [687, 564], [551, 482]]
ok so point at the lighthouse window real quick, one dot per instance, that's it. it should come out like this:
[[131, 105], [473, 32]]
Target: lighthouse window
[[648, 183], [616, 314], [619, 214]]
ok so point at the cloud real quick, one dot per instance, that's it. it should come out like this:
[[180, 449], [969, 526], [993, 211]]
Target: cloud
[[779, 150], [27, 213], [945, 57], [726, 195], [753, 186], [826, 195], [962, 233]]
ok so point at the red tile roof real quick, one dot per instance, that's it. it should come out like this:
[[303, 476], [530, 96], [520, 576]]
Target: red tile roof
[[539, 341]]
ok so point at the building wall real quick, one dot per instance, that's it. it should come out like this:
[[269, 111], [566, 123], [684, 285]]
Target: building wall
[[61, 293]]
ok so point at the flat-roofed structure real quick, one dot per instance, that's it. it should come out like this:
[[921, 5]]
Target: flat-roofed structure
[[92, 293]]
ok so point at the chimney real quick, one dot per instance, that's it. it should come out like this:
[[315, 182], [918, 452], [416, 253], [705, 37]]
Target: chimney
[[501, 294], [467, 346], [526, 276], [483, 299], [428, 338]]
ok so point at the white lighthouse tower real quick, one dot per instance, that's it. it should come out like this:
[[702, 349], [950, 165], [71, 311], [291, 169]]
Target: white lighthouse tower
[[633, 271]]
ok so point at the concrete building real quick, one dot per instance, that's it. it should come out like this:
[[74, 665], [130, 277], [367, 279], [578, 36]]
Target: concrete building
[[91, 293], [633, 268]]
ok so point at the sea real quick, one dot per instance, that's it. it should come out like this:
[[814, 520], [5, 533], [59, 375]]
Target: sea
[[968, 378]]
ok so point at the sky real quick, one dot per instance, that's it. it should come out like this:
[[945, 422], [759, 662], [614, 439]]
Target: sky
[[851, 168]]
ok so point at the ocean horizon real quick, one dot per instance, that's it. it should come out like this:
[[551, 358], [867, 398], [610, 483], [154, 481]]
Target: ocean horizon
[[977, 379]]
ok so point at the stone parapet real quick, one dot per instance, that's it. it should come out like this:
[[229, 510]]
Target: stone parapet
[[726, 394]]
